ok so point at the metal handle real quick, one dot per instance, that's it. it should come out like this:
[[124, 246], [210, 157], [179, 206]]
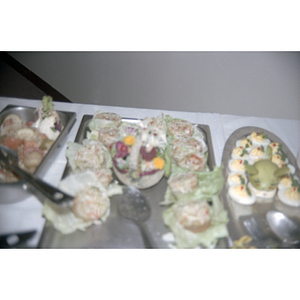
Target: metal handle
[[55, 195], [149, 244]]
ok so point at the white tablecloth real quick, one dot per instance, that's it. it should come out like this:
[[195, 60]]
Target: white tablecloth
[[26, 215]]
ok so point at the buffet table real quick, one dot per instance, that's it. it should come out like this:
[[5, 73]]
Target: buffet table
[[26, 215]]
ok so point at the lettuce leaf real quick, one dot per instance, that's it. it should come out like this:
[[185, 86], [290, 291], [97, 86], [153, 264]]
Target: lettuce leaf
[[97, 124], [47, 105], [168, 161], [71, 152], [210, 184], [62, 217]]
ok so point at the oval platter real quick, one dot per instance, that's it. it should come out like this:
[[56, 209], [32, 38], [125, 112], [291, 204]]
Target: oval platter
[[238, 212]]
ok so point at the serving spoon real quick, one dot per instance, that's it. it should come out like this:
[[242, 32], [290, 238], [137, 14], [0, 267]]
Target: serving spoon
[[134, 206], [284, 228], [9, 159]]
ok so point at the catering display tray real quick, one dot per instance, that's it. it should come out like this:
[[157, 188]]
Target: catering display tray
[[237, 213], [14, 192], [116, 231]]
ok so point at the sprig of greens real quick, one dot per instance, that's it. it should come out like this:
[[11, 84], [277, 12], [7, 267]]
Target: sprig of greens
[[248, 191], [242, 180], [281, 153], [244, 152], [295, 182], [47, 104], [264, 136]]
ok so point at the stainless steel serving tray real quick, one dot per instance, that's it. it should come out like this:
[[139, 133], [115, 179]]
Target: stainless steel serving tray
[[13, 192], [118, 232], [238, 212]]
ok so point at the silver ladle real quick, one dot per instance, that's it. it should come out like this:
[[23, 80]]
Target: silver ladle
[[9, 159], [134, 206], [284, 228]]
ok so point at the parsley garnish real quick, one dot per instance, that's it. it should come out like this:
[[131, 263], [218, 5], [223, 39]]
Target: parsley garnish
[[248, 191], [264, 136], [47, 104], [244, 152], [242, 180]]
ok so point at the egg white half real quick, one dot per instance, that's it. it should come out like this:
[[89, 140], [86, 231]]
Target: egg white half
[[284, 199], [240, 199], [231, 182], [286, 182], [255, 143], [292, 169], [232, 167], [235, 156]]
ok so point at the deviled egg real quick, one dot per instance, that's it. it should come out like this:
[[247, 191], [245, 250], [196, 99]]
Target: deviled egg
[[275, 147], [236, 165], [239, 152], [279, 160], [259, 139], [245, 143], [241, 194], [290, 196], [236, 178], [259, 153], [287, 181]]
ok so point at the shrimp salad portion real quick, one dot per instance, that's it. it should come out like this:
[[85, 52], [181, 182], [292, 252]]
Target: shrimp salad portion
[[30, 139]]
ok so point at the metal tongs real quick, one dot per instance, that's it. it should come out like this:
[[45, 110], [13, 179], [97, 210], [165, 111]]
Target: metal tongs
[[9, 159]]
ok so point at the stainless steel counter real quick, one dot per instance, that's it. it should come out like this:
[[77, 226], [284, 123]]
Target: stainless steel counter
[[26, 215]]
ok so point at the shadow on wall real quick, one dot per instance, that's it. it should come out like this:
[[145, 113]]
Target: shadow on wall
[[240, 83], [19, 82]]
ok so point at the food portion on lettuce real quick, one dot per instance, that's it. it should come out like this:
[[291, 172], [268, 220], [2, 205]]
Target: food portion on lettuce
[[90, 155], [196, 216], [187, 144], [91, 204], [105, 127], [90, 182], [185, 186], [198, 223]]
